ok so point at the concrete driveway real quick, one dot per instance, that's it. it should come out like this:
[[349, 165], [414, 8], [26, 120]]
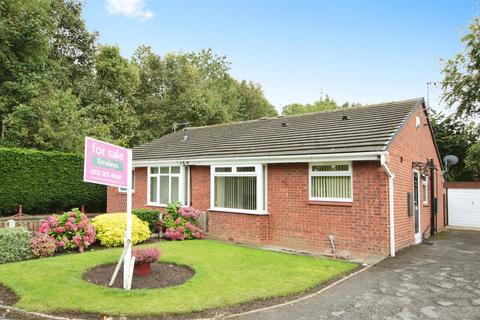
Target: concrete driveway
[[438, 281]]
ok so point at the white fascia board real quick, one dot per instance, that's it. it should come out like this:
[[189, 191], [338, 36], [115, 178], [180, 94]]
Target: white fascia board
[[358, 156]]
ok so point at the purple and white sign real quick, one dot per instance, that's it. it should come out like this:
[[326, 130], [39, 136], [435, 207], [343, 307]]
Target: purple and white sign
[[105, 163]]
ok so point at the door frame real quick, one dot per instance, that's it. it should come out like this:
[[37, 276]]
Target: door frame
[[417, 210]]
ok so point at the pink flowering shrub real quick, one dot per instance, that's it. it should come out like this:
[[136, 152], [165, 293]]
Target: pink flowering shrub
[[72, 230], [180, 223], [42, 245], [147, 255]]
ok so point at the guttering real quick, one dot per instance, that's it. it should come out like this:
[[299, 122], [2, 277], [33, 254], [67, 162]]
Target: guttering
[[391, 207], [357, 156]]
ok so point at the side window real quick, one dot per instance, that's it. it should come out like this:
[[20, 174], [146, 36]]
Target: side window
[[121, 189]]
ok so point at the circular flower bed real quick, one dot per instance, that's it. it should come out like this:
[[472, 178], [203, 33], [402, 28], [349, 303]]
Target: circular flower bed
[[163, 275]]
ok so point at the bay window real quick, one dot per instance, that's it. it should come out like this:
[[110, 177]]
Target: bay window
[[239, 188], [330, 181], [167, 184]]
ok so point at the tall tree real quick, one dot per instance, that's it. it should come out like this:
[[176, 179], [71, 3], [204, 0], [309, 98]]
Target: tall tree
[[45, 51], [193, 88], [24, 29], [251, 103], [461, 83], [472, 160], [323, 104], [108, 100], [455, 136], [57, 84]]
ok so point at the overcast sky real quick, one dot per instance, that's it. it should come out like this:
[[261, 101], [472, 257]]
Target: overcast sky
[[357, 51]]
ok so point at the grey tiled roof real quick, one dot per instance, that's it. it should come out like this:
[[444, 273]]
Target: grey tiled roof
[[368, 128]]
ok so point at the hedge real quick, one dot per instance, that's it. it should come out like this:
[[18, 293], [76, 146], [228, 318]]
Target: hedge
[[45, 182]]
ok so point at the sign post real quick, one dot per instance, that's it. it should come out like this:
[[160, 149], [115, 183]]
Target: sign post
[[127, 267], [111, 165]]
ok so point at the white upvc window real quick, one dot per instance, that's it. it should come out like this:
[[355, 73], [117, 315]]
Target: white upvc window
[[239, 188], [124, 190], [425, 188], [167, 184], [330, 181]]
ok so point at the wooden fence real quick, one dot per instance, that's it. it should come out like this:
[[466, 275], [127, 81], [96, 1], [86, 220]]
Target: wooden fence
[[29, 222]]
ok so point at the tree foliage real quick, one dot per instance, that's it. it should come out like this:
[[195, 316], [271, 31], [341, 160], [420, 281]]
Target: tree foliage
[[325, 103], [456, 136], [57, 84], [461, 82], [472, 160]]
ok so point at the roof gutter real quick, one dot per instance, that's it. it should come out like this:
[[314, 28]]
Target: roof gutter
[[391, 203], [357, 156]]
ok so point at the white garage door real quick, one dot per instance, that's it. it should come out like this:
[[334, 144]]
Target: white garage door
[[464, 207]]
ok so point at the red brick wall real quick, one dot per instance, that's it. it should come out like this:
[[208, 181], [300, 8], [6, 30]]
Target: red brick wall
[[462, 185], [225, 225], [293, 222], [359, 227], [413, 144]]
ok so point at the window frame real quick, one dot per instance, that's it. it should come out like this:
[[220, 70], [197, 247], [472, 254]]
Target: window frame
[[312, 173], [261, 185], [183, 178], [123, 189], [425, 188]]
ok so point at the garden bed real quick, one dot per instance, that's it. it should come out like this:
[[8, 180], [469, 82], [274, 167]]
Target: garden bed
[[7, 296], [163, 275], [227, 279]]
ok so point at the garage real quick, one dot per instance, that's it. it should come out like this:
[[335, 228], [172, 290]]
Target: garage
[[463, 204]]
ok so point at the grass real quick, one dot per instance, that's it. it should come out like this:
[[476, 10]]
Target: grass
[[225, 275]]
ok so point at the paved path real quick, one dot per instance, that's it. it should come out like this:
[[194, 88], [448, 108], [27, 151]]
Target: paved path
[[439, 281]]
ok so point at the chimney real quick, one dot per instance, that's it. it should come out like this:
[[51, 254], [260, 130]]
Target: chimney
[[185, 134]]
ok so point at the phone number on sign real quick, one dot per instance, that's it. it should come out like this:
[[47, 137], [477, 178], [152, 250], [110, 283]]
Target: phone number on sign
[[105, 174]]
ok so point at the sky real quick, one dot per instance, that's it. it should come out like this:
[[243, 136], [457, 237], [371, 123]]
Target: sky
[[353, 50]]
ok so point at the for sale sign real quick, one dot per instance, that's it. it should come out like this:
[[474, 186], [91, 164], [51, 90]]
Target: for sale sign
[[105, 163]]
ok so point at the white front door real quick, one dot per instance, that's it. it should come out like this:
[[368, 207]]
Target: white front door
[[416, 206]]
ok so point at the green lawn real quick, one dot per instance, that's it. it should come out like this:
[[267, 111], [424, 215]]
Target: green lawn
[[225, 275]]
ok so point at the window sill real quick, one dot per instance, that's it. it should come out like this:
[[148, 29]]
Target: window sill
[[255, 213], [426, 205], [330, 203], [156, 205]]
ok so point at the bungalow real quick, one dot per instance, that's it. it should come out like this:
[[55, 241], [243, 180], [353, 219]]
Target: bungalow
[[366, 180]]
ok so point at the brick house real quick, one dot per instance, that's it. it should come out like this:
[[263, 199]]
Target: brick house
[[368, 176]]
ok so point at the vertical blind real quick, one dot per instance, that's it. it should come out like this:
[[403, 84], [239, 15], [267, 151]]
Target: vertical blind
[[236, 192], [331, 187], [331, 181]]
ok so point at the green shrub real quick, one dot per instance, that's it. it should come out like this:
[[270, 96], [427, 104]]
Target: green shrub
[[110, 229], [14, 245], [44, 182], [150, 216]]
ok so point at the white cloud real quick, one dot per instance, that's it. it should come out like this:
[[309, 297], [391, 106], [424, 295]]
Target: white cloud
[[129, 8]]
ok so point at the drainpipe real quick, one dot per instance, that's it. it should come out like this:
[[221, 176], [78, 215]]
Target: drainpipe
[[391, 176]]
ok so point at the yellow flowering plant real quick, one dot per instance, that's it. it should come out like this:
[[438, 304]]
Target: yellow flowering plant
[[110, 229]]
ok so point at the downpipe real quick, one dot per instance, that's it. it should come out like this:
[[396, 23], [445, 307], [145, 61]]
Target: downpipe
[[391, 204]]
